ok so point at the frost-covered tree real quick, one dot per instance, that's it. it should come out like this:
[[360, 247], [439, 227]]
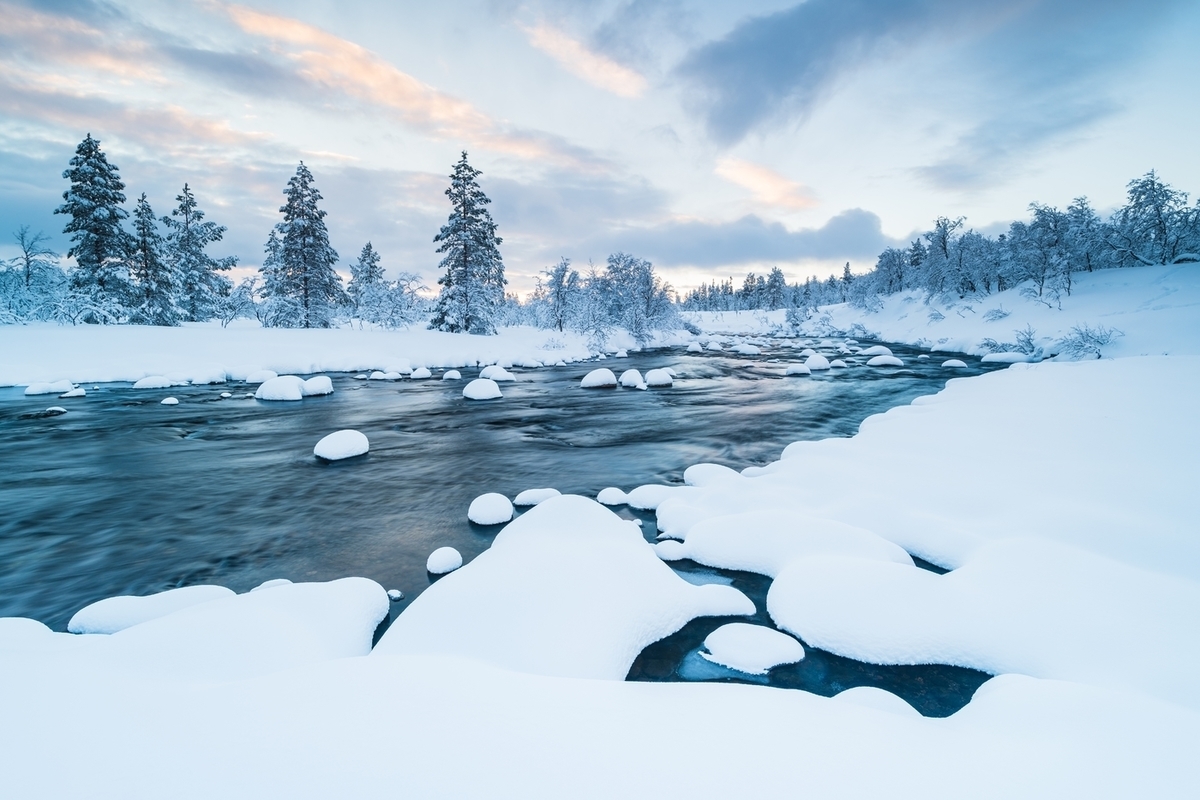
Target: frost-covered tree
[[200, 286], [473, 283], [301, 288], [593, 315], [1155, 226], [99, 242], [639, 301], [31, 283], [153, 278], [365, 274], [560, 293], [776, 289]]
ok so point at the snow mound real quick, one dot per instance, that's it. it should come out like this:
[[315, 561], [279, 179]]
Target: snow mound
[[341, 444], [395, 595], [877, 350], [715, 346], [118, 613], [807, 352], [922, 357], [54, 411], [317, 385], [816, 361], [52, 387], [226, 395], [885, 361], [377, 375], [481, 389], [492, 508], [281, 388], [837, 363], [753, 649], [154, 382], [532, 497], [443, 560], [621, 354], [495, 372], [420, 374], [631, 379], [797, 369], [612, 496], [602, 378], [659, 377], [649, 496], [878, 699], [261, 376], [709, 474], [78, 391], [1005, 358], [451, 375], [955, 363], [169, 401], [271, 584], [593, 595], [746, 350], [694, 347]]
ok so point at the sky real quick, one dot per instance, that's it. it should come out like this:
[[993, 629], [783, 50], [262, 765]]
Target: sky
[[712, 138]]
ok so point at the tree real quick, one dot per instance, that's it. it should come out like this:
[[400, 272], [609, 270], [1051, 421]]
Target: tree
[[32, 282], [153, 281], [561, 294], [1155, 226], [473, 283], [99, 242], [200, 284], [776, 288], [36, 263], [300, 284], [365, 275]]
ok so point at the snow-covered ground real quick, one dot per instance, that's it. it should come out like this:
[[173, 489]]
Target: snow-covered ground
[[1059, 493]]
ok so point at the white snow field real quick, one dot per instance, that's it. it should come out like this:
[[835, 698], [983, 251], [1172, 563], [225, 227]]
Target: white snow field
[[342, 444]]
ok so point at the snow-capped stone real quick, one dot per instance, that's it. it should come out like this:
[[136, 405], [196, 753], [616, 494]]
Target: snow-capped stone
[[708, 474], [443, 560], [631, 378], [395, 595], [154, 382], [451, 375], [531, 497], [659, 377], [78, 391], [746, 350], [54, 411], [807, 352], [715, 346], [226, 395], [694, 347], [816, 361], [489, 371], [362, 376], [876, 350], [261, 376], [282, 387], [602, 378], [753, 649], [52, 387], [837, 363], [481, 389], [317, 385], [885, 361], [612, 496], [169, 401], [921, 357], [955, 363], [341, 444], [492, 508], [420, 374], [797, 369], [621, 354], [271, 584], [118, 613]]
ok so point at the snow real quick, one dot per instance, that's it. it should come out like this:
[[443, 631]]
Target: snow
[[1005, 358], [78, 391], [659, 377], [154, 382], [746, 349], [118, 613], [420, 374], [837, 363], [878, 699], [708, 474], [797, 369], [379, 375], [47, 387], [954, 363], [443, 560], [876, 350], [602, 378], [271, 584], [622, 353], [226, 395], [169, 401], [54, 411], [885, 361], [261, 375], [316, 386], [695, 347], [342, 444], [451, 375], [395, 595], [631, 379], [816, 362], [490, 509], [481, 389], [496, 373], [753, 649], [612, 496], [282, 388], [531, 497]]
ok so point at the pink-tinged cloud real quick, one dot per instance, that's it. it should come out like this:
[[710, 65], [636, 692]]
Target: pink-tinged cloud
[[768, 187], [598, 70], [335, 63]]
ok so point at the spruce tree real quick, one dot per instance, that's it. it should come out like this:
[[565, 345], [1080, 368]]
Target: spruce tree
[[473, 285], [201, 286], [300, 275], [99, 242], [153, 283], [365, 274]]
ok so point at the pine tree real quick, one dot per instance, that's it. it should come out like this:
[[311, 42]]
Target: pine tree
[[473, 286], [153, 283], [201, 286], [99, 242], [301, 287], [561, 293], [365, 273]]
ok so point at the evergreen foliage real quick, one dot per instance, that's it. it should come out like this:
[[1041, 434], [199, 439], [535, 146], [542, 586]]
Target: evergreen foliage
[[200, 284], [389, 304], [153, 281]]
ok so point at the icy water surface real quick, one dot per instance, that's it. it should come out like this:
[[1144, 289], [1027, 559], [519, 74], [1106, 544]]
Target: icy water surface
[[122, 495]]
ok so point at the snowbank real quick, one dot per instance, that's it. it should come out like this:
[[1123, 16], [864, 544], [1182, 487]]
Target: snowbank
[[118, 613], [342, 444]]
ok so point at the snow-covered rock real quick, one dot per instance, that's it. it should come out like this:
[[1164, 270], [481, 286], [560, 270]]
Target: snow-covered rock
[[169, 401], [885, 361], [709, 474], [226, 395], [922, 357], [659, 377], [602, 378], [631, 379], [797, 369], [154, 382], [494, 372], [482, 389], [341, 444], [118, 613], [531, 497], [837, 363], [695, 347], [715, 346], [52, 387], [621, 354], [443, 560], [807, 352], [816, 362], [753, 649], [395, 595], [78, 391], [492, 508], [746, 350], [451, 375], [954, 363], [261, 376], [876, 350], [612, 496], [281, 388], [317, 385], [420, 374]]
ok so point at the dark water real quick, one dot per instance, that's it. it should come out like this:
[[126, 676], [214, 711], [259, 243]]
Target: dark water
[[122, 495]]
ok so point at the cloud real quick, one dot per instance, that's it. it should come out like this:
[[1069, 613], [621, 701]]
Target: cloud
[[768, 187], [595, 68]]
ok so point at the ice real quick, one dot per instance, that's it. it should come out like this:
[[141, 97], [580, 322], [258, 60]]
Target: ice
[[885, 361], [592, 596], [53, 387], [490, 509], [602, 378], [659, 377], [155, 382], [282, 388], [76, 392], [443, 560], [482, 389], [118, 613], [955, 363], [451, 375], [631, 378], [797, 369], [420, 374], [695, 347], [341, 444], [317, 386], [261, 376], [816, 362], [531, 497], [753, 649], [169, 401], [876, 350], [271, 584], [878, 699], [612, 496]]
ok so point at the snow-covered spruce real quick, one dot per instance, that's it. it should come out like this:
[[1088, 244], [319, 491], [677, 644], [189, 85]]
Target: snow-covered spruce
[[492, 508], [342, 444], [602, 378], [443, 560], [753, 649], [531, 497], [482, 389]]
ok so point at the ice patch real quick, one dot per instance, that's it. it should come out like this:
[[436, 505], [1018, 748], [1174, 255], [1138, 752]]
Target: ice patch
[[659, 377], [601, 378], [282, 388], [342, 444], [753, 649], [885, 361], [490, 509], [118, 613], [443, 560], [531, 497]]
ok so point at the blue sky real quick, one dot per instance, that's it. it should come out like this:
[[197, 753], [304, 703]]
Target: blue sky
[[711, 138]]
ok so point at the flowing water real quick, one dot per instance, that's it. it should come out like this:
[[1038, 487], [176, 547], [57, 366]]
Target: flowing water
[[122, 495]]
